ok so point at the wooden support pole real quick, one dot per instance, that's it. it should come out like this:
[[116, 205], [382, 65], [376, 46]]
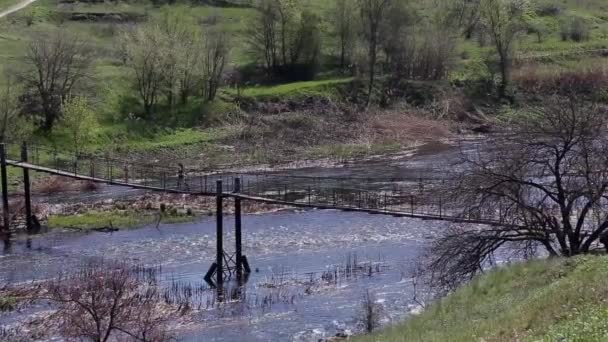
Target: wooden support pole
[[237, 229], [219, 261], [26, 188], [5, 211]]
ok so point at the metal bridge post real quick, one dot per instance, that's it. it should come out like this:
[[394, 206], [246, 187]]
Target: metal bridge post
[[26, 189], [5, 211], [237, 228], [219, 258]]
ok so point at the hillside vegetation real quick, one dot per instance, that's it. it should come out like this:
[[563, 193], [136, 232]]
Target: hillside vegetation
[[544, 300], [260, 112]]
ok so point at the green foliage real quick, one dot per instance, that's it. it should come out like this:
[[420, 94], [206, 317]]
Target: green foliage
[[575, 29], [7, 303], [79, 122], [13, 126]]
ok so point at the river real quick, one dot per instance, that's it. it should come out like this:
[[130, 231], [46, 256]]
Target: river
[[281, 245], [285, 244]]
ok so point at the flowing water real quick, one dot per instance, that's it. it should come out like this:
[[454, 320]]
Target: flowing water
[[291, 244], [288, 244]]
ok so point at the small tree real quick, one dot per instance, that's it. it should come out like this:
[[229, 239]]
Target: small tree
[[144, 51], [214, 56], [57, 64], [285, 37], [342, 18], [466, 15], [79, 121], [373, 14], [261, 36], [108, 302], [505, 21], [189, 64]]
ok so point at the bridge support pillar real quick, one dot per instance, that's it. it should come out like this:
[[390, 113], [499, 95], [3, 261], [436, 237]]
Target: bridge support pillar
[[219, 258], [3, 175], [27, 192], [237, 229], [242, 265]]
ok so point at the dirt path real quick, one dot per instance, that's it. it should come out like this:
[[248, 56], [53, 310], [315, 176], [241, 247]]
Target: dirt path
[[14, 8]]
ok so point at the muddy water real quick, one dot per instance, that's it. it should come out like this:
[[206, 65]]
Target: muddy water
[[285, 244]]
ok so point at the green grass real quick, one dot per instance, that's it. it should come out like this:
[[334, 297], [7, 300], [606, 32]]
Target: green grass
[[15, 178], [175, 138], [347, 151], [122, 219], [545, 300], [295, 88]]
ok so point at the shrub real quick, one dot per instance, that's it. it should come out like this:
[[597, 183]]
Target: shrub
[[576, 30], [579, 30], [106, 302], [586, 83]]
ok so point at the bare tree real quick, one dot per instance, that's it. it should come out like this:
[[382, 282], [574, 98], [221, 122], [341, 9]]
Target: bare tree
[[504, 21], [466, 15], [373, 13], [286, 37], [546, 184], [215, 50], [107, 302], [188, 66], [262, 35], [57, 63], [144, 51], [178, 53], [342, 19]]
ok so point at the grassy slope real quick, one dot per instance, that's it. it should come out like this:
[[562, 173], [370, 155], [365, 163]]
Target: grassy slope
[[549, 300]]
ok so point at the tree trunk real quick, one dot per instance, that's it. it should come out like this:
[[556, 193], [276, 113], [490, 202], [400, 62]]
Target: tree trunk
[[342, 54], [505, 74], [372, 65]]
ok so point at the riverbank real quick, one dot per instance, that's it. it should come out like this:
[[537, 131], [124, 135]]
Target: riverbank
[[542, 300]]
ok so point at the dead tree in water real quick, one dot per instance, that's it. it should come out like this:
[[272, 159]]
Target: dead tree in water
[[547, 182]]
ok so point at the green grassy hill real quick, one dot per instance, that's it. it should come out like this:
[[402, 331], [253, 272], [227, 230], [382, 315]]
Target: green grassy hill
[[549, 300]]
